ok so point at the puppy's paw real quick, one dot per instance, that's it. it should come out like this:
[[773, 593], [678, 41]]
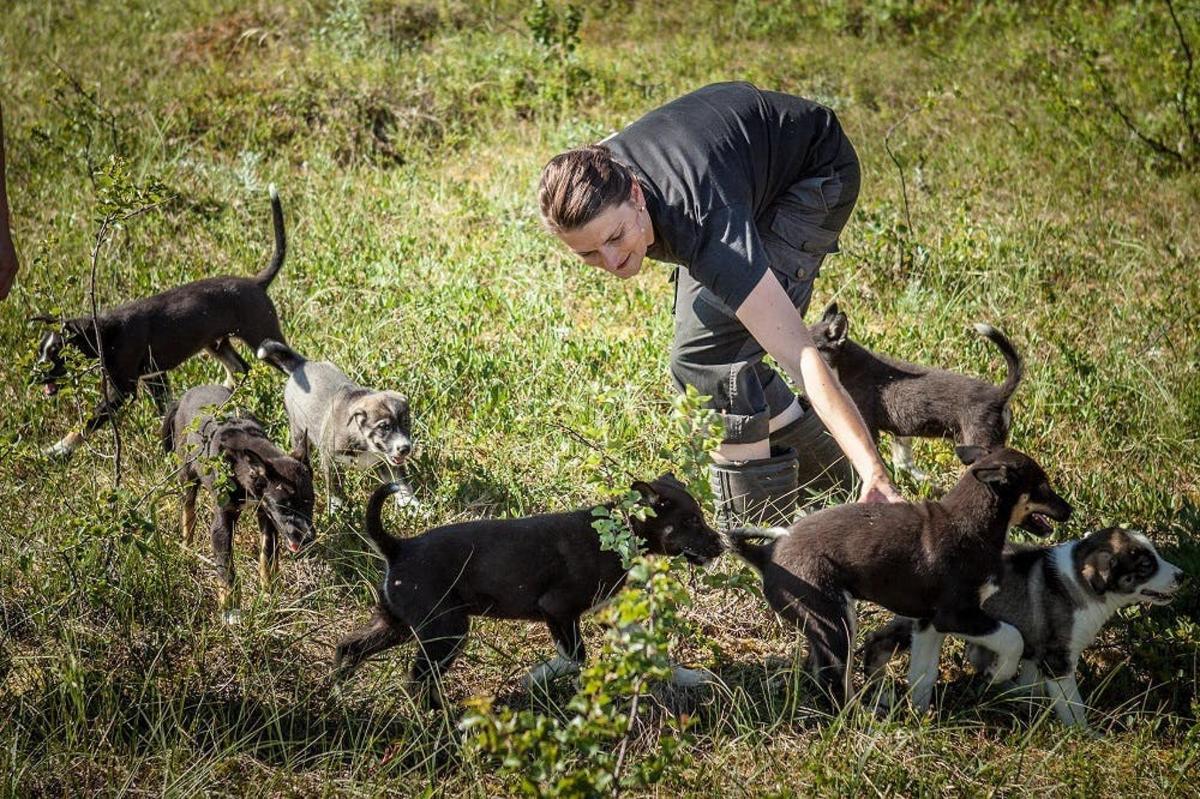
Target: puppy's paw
[[405, 498], [540, 677], [881, 701], [63, 449], [692, 678], [1002, 671]]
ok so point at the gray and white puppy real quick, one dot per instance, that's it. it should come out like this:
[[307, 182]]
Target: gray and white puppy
[[347, 423], [1058, 598], [907, 400]]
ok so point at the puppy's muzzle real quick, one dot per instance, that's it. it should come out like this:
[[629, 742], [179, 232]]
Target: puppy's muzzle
[[1167, 594], [1037, 514]]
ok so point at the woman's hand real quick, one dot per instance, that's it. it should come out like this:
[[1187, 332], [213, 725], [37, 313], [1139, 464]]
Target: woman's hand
[[775, 323], [880, 490]]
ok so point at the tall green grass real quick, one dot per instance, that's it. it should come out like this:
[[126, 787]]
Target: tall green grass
[[406, 139]]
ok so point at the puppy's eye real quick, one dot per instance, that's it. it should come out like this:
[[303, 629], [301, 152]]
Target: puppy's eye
[[384, 426]]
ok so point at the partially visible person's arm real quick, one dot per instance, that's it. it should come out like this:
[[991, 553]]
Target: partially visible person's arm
[[8, 254], [774, 322]]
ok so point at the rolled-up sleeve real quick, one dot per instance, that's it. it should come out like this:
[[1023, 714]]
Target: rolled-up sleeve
[[729, 259]]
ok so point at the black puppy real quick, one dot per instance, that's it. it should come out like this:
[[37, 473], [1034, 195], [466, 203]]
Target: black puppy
[[936, 561], [548, 568], [145, 338], [906, 399], [231, 455]]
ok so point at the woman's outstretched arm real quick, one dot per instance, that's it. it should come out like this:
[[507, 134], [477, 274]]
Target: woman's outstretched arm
[[769, 316]]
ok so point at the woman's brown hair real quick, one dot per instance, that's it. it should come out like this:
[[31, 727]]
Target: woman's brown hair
[[579, 184]]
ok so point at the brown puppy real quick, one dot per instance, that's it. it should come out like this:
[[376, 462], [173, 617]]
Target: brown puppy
[[234, 459], [143, 339], [927, 560], [906, 400], [548, 568]]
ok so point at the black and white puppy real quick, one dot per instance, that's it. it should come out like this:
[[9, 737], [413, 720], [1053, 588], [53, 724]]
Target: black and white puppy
[[549, 568], [1058, 598], [227, 451], [143, 339], [348, 424], [907, 400], [928, 560]]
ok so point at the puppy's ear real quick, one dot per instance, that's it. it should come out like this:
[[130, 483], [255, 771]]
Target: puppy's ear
[[670, 479], [992, 475], [1097, 569], [647, 491], [357, 420], [831, 311], [838, 329], [969, 453]]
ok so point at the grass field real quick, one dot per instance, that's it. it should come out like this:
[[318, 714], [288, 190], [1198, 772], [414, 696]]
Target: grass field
[[1001, 183]]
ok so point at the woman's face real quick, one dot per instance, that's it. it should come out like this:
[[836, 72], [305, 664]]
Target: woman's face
[[616, 240]]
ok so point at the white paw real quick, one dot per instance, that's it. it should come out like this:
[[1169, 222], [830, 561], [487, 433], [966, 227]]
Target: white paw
[[64, 447], [691, 678], [1003, 670], [406, 499], [922, 697], [543, 675]]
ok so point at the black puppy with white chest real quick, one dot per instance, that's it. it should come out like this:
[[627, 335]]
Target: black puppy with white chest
[[907, 400], [936, 561], [548, 568], [143, 339], [230, 454]]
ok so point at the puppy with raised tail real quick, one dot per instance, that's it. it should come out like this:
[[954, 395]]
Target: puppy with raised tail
[[143, 339], [549, 568], [908, 400], [348, 424], [935, 561], [1058, 598]]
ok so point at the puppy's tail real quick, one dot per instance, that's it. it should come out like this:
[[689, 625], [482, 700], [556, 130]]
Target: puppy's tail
[[757, 555], [166, 433], [387, 544], [265, 277], [279, 355], [1015, 368]]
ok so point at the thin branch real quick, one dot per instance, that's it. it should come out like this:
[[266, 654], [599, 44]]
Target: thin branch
[[1109, 98], [105, 377], [582, 439], [625, 741], [887, 145], [1185, 89]]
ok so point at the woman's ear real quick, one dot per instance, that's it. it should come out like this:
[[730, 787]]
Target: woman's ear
[[635, 194]]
